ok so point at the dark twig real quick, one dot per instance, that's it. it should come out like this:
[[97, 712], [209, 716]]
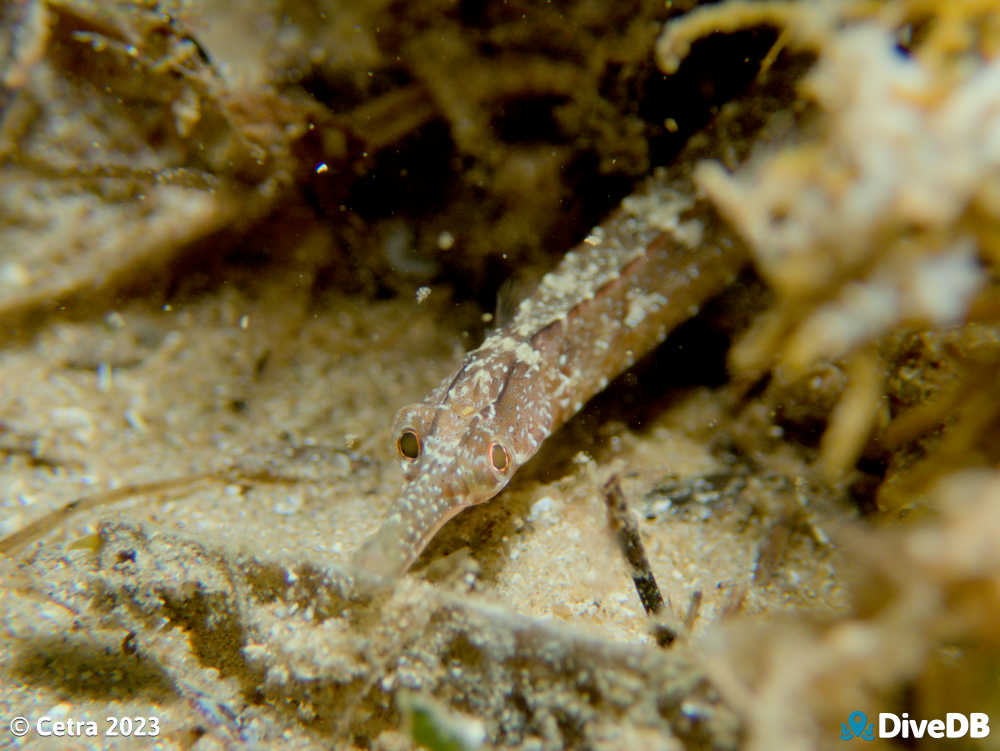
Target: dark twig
[[623, 522]]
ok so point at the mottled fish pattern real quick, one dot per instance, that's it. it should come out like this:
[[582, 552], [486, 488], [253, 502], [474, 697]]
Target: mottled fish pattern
[[608, 302]]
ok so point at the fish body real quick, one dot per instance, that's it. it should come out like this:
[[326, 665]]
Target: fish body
[[608, 302]]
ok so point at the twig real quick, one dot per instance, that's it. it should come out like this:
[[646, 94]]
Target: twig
[[36, 529], [627, 533]]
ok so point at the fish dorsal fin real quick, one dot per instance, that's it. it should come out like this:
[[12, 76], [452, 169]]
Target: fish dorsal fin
[[519, 286]]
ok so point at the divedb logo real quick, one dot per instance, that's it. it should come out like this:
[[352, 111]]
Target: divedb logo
[[954, 725]]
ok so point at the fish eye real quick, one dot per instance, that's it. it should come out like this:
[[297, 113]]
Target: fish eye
[[499, 458], [408, 444]]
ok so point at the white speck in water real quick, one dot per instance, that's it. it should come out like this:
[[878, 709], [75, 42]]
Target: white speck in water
[[446, 240], [422, 294]]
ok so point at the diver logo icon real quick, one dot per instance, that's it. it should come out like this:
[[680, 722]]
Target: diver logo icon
[[857, 726]]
